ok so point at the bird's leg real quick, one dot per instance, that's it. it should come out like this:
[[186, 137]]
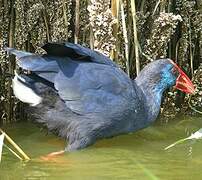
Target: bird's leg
[[80, 143], [52, 156], [57, 153]]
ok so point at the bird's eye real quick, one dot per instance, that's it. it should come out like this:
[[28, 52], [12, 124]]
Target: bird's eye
[[175, 71]]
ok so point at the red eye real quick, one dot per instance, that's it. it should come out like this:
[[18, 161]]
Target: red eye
[[175, 71]]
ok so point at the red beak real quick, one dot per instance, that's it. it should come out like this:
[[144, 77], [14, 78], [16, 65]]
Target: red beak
[[183, 82]]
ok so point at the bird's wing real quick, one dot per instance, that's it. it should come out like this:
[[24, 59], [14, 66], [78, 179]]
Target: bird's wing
[[77, 52], [94, 88], [84, 86], [44, 66], [34, 62]]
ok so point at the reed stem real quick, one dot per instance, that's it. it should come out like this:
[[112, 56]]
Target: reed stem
[[15, 145], [115, 4], [125, 38], [10, 103], [64, 9], [13, 152], [133, 10], [76, 33], [190, 50]]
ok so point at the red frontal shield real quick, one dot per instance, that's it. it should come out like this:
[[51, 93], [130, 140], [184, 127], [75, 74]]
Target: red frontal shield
[[183, 82]]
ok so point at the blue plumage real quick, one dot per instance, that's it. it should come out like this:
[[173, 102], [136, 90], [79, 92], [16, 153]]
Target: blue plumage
[[92, 97]]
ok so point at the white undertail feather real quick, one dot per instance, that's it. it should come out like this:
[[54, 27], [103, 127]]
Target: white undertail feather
[[24, 93]]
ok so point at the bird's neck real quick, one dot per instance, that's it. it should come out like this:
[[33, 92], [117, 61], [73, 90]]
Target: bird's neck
[[153, 95]]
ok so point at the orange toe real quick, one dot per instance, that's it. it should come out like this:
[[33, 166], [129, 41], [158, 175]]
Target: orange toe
[[52, 156]]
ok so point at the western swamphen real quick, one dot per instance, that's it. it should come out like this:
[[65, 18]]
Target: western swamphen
[[84, 96]]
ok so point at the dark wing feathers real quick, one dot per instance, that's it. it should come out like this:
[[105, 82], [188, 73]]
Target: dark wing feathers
[[34, 62], [76, 52], [43, 65], [95, 85]]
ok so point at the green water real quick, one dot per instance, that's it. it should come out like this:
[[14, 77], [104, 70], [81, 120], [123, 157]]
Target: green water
[[138, 156]]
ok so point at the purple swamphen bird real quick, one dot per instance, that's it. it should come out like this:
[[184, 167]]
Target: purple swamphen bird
[[84, 96]]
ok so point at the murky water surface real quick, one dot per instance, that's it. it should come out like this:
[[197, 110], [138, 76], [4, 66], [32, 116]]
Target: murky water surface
[[138, 156]]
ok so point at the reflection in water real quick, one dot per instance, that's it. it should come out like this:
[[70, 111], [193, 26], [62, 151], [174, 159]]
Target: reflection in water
[[139, 155]]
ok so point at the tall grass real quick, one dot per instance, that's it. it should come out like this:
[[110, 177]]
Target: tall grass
[[137, 30]]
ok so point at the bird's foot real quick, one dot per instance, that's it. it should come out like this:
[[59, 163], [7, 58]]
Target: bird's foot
[[52, 156]]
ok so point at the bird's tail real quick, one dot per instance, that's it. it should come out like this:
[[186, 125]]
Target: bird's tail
[[24, 89]]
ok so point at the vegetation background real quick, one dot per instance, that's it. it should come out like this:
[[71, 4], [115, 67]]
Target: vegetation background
[[131, 32]]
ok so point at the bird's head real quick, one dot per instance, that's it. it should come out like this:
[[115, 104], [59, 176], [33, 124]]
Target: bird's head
[[164, 73]]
